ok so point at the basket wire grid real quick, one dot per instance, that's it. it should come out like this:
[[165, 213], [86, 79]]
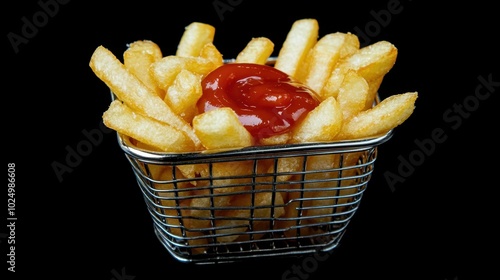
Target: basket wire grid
[[269, 201]]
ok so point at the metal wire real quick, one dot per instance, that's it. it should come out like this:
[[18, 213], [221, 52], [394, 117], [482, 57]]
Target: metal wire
[[274, 201]]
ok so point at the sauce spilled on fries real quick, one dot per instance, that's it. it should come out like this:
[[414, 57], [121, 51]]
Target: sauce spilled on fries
[[267, 101]]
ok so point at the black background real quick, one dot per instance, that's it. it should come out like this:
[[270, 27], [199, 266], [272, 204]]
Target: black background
[[92, 224]]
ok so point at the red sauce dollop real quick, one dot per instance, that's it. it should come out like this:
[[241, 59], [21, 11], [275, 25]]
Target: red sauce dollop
[[267, 101]]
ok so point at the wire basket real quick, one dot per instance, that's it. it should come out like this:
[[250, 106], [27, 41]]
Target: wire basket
[[255, 202], [269, 201]]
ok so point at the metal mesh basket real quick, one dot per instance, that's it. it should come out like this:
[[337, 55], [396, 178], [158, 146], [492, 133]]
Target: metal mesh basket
[[264, 201]]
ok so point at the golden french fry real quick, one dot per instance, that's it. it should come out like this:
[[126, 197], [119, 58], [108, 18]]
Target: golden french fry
[[321, 200], [386, 115], [129, 89], [171, 203], [183, 94], [228, 177], [323, 123], [197, 217], [144, 146], [124, 120], [212, 54], [352, 95], [321, 60], [300, 39], [287, 166], [373, 87], [192, 171], [220, 128], [350, 46], [350, 181], [371, 62], [165, 70], [195, 36], [294, 222], [137, 58], [279, 139], [258, 51], [233, 223]]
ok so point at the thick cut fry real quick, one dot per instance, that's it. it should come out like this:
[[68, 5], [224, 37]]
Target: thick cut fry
[[279, 139], [350, 46], [171, 202], [233, 223], [228, 177], [183, 94], [373, 87], [321, 124], [197, 216], [320, 60], [287, 166], [291, 219], [221, 129], [212, 54], [384, 116], [122, 119], [323, 186], [138, 56], [352, 95], [258, 51], [195, 36], [129, 89], [165, 70], [300, 39], [371, 62]]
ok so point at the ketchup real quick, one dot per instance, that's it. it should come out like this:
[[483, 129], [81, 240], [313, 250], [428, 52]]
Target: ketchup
[[267, 101]]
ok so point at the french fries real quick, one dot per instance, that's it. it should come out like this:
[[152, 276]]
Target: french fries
[[302, 36], [134, 93], [137, 58], [145, 129], [156, 108], [387, 114], [323, 57], [258, 51], [222, 123], [194, 38]]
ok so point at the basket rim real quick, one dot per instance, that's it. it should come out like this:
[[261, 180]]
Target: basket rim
[[340, 145]]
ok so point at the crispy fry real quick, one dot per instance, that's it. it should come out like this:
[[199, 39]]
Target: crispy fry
[[321, 124], [183, 94], [196, 35], [129, 89], [212, 54], [321, 60], [145, 129], [352, 95], [165, 70], [250, 212], [221, 129], [371, 62], [137, 58], [300, 39], [386, 115], [258, 51]]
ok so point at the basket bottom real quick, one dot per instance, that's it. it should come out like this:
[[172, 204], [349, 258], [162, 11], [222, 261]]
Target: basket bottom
[[268, 246]]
